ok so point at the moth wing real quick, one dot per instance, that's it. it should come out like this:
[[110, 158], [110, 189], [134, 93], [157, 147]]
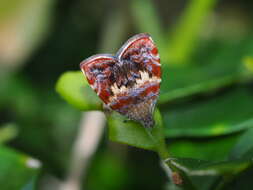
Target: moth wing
[[139, 100], [97, 70], [141, 49]]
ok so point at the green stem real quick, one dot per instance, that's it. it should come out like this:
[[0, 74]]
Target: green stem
[[161, 148], [160, 145]]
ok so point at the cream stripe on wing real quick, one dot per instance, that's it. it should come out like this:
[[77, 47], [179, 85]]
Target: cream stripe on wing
[[144, 78]]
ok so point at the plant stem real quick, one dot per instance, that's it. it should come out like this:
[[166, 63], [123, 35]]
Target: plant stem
[[160, 145], [161, 149]]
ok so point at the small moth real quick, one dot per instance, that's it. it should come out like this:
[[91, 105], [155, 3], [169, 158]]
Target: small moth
[[128, 82]]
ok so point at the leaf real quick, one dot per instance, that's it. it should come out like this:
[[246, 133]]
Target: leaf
[[197, 80], [203, 174], [19, 95], [132, 133], [74, 88], [224, 114], [213, 149], [248, 63], [248, 154], [242, 182], [223, 65], [244, 146], [196, 167], [16, 170], [186, 32], [8, 132], [143, 10]]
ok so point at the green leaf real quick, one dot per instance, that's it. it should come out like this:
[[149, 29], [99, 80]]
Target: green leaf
[[74, 88], [184, 37], [134, 134], [248, 154], [8, 132], [243, 181], [223, 65], [197, 80], [145, 10], [213, 149], [16, 170], [202, 174], [248, 63], [19, 95], [244, 146], [223, 114]]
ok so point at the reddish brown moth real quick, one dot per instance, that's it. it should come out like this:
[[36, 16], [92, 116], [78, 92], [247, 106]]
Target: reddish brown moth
[[128, 82]]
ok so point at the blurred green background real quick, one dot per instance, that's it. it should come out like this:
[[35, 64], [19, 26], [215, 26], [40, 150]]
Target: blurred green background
[[206, 101]]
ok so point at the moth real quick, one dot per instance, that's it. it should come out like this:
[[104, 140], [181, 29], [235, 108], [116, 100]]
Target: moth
[[128, 82]]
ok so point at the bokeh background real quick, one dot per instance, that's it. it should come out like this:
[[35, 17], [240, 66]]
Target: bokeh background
[[206, 48]]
